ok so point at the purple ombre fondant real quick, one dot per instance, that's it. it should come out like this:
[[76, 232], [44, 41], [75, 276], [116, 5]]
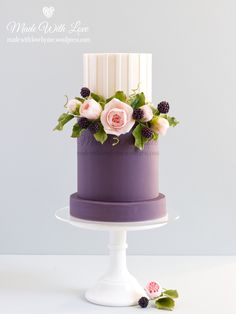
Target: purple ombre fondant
[[117, 183]]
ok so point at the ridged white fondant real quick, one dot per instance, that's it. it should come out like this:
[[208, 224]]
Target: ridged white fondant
[[105, 73]]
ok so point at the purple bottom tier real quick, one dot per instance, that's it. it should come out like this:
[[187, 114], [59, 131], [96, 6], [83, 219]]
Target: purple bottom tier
[[118, 211]]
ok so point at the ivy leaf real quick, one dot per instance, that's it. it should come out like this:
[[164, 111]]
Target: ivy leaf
[[171, 293], [80, 99], [118, 95], [62, 120], [165, 303], [138, 101], [101, 135], [172, 120], [98, 98], [77, 130], [139, 139], [155, 136], [154, 110], [110, 98]]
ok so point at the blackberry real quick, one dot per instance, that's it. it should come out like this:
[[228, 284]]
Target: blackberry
[[163, 107], [138, 114], [147, 132], [85, 92], [94, 127], [83, 122], [143, 302]]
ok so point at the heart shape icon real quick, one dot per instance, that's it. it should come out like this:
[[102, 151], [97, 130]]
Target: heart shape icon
[[48, 11]]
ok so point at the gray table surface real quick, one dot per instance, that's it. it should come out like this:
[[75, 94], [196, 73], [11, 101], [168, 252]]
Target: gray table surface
[[55, 284]]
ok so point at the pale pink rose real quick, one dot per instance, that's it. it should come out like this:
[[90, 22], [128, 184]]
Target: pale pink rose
[[116, 117], [160, 125], [148, 114], [153, 289], [90, 109], [72, 105]]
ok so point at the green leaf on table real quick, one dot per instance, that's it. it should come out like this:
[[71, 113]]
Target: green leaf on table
[[138, 100], [62, 120], [171, 293], [77, 130], [98, 98], [165, 303], [101, 135]]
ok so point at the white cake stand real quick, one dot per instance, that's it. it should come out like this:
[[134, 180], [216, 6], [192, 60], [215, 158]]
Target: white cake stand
[[117, 287]]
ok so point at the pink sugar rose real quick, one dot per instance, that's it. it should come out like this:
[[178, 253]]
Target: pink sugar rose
[[72, 105], [160, 125], [90, 109], [116, 117], [148, 114], [153, 289]]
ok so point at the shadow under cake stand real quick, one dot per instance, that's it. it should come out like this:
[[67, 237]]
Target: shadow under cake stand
[[117, 287]]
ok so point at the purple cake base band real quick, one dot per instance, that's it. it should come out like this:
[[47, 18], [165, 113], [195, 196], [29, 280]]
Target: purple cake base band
[[118, 211]]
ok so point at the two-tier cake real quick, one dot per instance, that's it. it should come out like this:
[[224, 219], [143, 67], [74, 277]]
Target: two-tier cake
[[117, 128]]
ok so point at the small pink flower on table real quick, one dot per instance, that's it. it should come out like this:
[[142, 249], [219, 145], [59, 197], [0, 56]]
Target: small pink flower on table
[[153, 289], [90, 109], [116, 117]]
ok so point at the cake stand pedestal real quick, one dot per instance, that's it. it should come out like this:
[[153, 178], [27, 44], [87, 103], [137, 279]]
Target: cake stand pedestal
[[117, 287]]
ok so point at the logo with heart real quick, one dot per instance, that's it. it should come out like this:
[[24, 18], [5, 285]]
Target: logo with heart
[[48, 11]]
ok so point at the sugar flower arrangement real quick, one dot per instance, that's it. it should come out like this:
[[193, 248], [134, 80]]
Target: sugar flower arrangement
[[162, 298], [117, 115]]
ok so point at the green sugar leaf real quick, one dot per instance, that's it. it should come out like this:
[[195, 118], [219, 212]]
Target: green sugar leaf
[[165, 303], [118, 95], [171, 293], [77, 130], [154, 110], [62, 120], [172, 120], [101, 135], [80, 99], [138, 101], [138, 137], [98, 98], [155, 136]]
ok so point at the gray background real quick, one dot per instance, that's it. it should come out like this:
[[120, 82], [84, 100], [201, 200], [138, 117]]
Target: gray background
[[193, 47]]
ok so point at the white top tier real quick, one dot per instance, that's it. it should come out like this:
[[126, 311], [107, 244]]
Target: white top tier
[[106, 73]]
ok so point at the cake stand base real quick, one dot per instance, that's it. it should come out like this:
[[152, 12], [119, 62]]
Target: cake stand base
[[117, 287]]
